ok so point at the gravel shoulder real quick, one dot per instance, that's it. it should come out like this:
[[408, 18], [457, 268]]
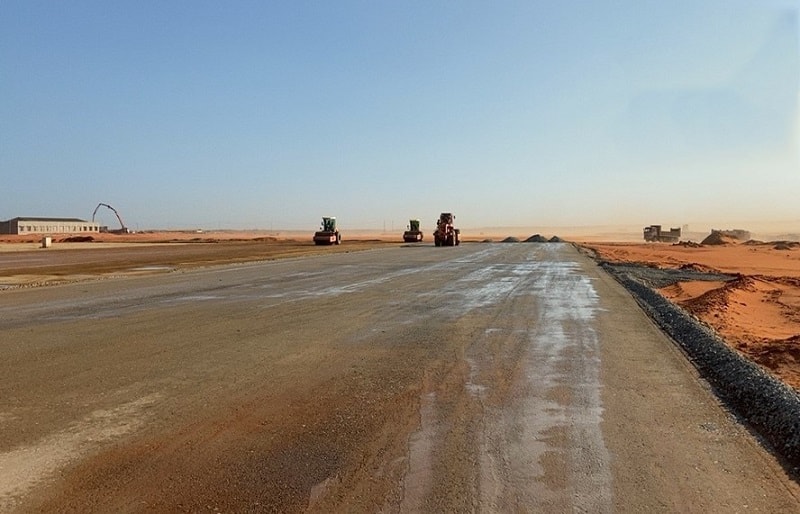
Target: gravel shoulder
[[765, 404]]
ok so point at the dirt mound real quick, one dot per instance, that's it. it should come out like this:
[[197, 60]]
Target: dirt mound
[[77, 239], [786, 281], [693, 266], [555, 239], [718, 238], [785, 245], [536, 238], [688, 244], [781, 356], [510, 239], [717, 300]]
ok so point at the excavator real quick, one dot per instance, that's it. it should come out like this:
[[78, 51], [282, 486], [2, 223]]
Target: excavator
[[122, 230]]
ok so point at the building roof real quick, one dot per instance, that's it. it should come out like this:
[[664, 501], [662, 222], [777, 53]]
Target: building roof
[[37, 218]]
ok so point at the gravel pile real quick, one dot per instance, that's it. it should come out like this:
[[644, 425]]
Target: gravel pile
[[536, 238], [78, 239], [688, 244], [766, 404], [657, 277]]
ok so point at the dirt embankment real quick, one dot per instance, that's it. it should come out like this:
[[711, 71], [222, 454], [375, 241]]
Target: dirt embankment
[[757, 313], [23, 263]]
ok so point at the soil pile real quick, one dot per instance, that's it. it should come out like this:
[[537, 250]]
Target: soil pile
[[693, 266], [785, 245], [736, 235], [717, 300], [718, 238], [555, 239], [780, 356], [78, 239], [510, 239], [536, 238]]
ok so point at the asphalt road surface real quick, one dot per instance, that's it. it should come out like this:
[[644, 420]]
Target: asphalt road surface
[[480, 378]]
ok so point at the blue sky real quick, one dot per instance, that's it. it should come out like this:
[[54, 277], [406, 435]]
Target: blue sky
[[186, 114]]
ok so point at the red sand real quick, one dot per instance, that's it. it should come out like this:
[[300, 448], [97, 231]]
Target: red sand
[[758, 314]]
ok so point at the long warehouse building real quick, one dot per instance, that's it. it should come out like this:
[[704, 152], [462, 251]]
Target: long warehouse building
[[36, 225]]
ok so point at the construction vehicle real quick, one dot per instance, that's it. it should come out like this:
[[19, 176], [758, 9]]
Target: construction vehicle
[[654, 233], [328, 234], [122, 230], [446, 234], [413, 234]]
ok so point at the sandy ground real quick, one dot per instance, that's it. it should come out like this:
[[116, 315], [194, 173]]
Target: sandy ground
[[24, 263], [10, 243], [66, 241], [484, 378], [758, 314]]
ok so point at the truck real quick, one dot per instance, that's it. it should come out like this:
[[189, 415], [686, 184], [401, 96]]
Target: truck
[[413, 234], [654, 233], [446, 234], [328, 234]]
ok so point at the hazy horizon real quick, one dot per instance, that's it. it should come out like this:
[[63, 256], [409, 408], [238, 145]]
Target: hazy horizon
[[635, 231], [107, 218]]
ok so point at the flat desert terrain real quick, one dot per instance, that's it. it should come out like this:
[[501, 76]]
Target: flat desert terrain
[[757, 313], [110, 255]]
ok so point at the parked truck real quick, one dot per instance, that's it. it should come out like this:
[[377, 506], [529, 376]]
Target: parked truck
[[446, 234], [655, 233]]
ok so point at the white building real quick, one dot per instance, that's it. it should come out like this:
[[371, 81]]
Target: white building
[[34, 225]]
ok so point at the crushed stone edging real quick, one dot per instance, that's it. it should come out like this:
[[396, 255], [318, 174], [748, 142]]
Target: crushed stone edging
[[766, 404]]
